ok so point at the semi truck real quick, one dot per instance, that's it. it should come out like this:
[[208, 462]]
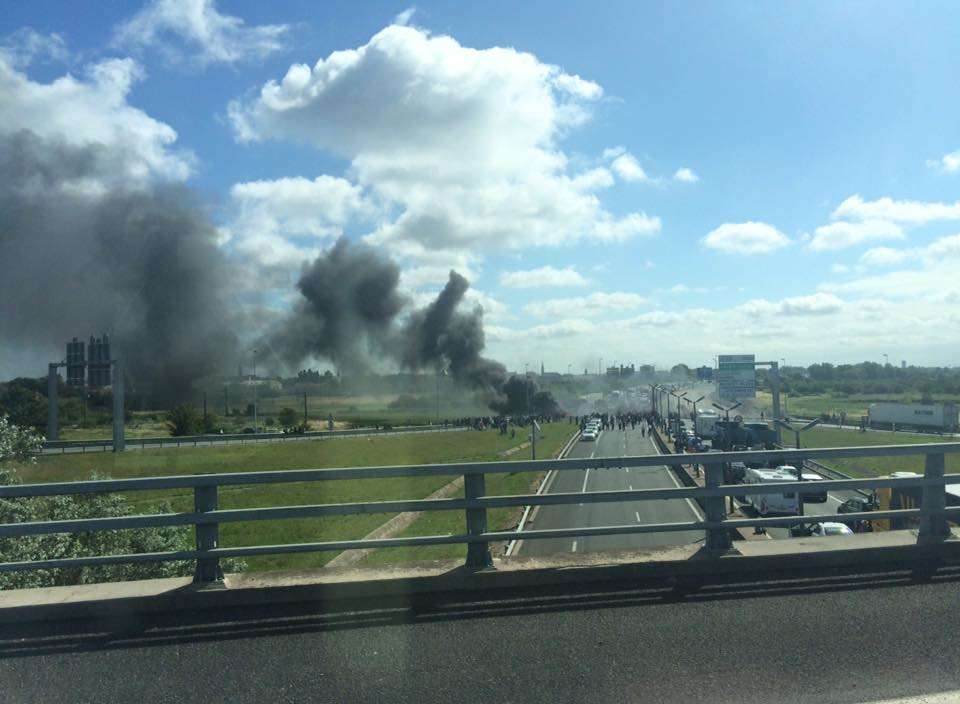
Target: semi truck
[[706, 424], [925, 417], [729, 434]]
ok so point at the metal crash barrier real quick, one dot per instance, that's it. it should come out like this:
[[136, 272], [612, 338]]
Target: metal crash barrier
[[207, 518]]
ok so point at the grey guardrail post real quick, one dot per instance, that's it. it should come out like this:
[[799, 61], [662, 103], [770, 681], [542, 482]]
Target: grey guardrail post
[[478, 554], [718, 539], [933, 523], [208, 536]]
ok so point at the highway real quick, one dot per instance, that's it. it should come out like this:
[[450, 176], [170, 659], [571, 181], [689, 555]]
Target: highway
[[817, 639], [612, 443]]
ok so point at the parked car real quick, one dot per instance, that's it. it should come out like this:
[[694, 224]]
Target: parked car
[[829, 529], [858, 504]]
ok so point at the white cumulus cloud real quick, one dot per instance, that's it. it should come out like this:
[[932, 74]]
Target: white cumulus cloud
[[585, 305], [461, 145], [92, 112], [746, 238], [628, 168], [542, 277], [685, 175], [908, 212], [948, 163], [815, 304], [843, 234], [195, 29], [286, 220], [884, 256]]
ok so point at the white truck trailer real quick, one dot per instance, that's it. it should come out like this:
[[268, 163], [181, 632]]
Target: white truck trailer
[[706, 424], [933, 417]]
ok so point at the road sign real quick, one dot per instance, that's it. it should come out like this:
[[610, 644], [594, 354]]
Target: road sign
[[736, 376]]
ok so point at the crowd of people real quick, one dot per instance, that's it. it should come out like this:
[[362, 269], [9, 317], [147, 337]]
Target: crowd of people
[[620, 420], [501, 423]]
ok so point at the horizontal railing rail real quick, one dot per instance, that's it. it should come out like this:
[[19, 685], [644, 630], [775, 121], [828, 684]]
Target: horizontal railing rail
[[207, 517], [212, 438]]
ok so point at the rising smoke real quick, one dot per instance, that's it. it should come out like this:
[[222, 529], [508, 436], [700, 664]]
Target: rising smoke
[[349, 302], [81, 252], [350, 313]]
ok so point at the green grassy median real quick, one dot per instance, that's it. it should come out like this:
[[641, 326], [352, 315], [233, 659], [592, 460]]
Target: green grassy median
[[871, 466], [421, 448]]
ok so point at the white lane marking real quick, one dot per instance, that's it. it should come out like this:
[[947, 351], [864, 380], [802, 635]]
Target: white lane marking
[[574, 548], [637, 514], [586, 477], [935, 698], [693, 506]]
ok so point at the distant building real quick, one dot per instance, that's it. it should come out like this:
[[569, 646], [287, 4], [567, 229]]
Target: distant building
[[647, 370], [621, 371], [98, 368], [76, 363], [903, 364], [704, 373]]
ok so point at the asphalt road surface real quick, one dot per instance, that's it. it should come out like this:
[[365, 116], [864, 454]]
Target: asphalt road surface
[[827, 639], [612, 443]]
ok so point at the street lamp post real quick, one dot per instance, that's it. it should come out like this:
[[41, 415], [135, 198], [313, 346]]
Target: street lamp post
[[726, 410], [796, 432], [676, 425], [695, 411]]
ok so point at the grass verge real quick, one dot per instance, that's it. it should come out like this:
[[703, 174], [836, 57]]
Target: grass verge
[[449, 522], [427, 448], [872, 466]]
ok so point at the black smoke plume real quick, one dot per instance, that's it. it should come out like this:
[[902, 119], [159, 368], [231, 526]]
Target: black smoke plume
[[353, 314], [79, 257], [441, 336], [347, 310]]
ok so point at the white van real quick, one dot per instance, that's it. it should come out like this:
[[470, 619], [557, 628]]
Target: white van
[[770, 503]]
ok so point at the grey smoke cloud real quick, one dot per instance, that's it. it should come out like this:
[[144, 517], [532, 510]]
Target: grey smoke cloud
[[82, 254], [351, 313]]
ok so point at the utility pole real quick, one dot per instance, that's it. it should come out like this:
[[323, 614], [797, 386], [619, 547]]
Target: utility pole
[[226, 401], [255, 391], [204, 406], [304, 411], [438, 394], [53, 403], [119, 442]]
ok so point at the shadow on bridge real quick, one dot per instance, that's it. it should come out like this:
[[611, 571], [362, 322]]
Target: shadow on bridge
[[124, 631]]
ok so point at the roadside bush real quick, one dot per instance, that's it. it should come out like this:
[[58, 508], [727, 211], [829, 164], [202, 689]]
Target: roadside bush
[[17, 446], [184, 420], [288, 418]]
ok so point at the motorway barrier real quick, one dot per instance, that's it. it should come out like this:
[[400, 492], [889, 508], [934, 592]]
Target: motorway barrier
[[242, 438], [207, 517]]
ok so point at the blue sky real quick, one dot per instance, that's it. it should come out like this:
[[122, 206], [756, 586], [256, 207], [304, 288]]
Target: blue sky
[[821, 141]]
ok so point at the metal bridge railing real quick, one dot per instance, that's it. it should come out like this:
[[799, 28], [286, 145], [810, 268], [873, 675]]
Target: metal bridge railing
[[207, 517]]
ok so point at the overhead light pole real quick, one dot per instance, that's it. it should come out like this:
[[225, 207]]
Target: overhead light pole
[[676, 425], [796, 432], [726, 409], [695, 410]]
